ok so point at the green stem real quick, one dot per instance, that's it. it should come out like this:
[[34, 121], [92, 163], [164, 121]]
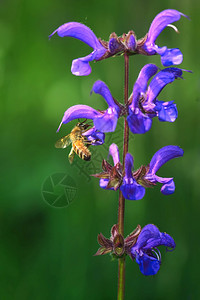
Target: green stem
[[121, 208], [121, 278]]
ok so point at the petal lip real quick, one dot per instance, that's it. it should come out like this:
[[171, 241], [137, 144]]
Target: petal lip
[[131, 190], [149, 265], [81, 67], [168, 187], [162, 156], [171, 57], [162, 20], [166, 111], [78, 111], [138, 122]]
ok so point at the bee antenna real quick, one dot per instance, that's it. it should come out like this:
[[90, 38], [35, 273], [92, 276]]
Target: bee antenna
[[83, 121]]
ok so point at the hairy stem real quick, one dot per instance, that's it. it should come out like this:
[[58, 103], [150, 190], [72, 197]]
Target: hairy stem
[[121, 267]]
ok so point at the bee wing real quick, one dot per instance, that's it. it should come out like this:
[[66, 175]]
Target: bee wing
[[71, 155], [63, 142]]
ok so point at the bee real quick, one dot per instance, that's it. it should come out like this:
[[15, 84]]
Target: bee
[[79, 142]]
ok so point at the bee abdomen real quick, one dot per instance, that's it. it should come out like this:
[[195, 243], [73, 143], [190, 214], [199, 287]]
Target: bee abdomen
[[81, 150]]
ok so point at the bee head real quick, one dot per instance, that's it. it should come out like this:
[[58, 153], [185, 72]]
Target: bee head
[[83, 125]]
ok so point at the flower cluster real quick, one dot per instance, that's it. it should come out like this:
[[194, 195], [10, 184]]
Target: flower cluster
[[138, 111], [141, 245], [143, 104], [126, 43], [133, 184]]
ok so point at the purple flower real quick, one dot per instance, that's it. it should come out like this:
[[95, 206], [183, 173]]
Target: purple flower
[[80, 66], [94, 136], [162, 20], [144, 105], [133, 184], [104, 121], [158, 160], [145, 250]]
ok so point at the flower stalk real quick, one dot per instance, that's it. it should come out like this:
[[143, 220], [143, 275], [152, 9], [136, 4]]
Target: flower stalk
[[121, 208]]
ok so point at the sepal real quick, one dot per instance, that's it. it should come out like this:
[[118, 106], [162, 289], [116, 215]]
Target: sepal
[[117, 245], [139, 176], [106, 245], [112, 174]]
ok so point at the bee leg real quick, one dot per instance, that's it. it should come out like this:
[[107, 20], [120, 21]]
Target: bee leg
[[71, 156], [91, 142]]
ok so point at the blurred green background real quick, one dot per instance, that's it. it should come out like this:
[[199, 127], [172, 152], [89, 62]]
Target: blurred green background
[[47, 252]]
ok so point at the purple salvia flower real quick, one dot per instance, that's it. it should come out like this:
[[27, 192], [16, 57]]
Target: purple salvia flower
[[94, 136], [108, 121], [162, 20], [80, 66], [160, 158], [144, 105], [145, 250], [104, 121]]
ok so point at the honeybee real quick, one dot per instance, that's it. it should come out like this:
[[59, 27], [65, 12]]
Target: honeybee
[[79, 142]]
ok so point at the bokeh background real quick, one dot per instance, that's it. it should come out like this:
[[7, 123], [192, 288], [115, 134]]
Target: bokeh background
[[47, 252]]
